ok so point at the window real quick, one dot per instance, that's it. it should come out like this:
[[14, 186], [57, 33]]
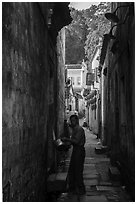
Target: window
[[78, 80]]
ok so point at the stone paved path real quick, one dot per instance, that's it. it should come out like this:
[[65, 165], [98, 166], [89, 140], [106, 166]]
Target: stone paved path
[[99, 187]]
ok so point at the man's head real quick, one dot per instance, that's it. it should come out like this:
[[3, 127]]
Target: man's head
[[74, 120]]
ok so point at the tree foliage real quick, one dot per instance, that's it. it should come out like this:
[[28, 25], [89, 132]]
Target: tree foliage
[[76, 34], [83, 34], [98, 25]]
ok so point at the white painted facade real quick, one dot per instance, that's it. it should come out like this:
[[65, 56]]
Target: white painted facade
[[78, 78], [93, 113]]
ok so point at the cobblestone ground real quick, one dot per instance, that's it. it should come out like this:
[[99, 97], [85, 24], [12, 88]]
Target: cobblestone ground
[[99, 187]]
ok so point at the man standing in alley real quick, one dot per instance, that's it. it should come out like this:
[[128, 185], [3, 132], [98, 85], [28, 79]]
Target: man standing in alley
[[75, 172]]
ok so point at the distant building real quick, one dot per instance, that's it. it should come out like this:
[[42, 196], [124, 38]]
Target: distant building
[[93, 97], [77, 74]]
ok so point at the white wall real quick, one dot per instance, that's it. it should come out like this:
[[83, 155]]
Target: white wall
[[95, 62], [75, 74]]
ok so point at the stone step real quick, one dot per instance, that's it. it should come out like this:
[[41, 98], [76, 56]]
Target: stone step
[[91, 182], [106, 188], [95, 198], [105, 183]]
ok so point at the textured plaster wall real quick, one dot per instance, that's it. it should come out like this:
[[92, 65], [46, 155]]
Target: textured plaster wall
[[61, 81], [121, 100], [25, 102]]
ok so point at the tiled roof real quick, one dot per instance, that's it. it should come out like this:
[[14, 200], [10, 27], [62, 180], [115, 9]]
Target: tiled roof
[[73, 66]]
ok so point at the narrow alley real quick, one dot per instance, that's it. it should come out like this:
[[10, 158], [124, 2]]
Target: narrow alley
[[101, 185], [63, 59]]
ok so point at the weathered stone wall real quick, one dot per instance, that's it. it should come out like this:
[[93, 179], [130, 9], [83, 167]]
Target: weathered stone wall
[[30, 100], [121, 98], [61, 80], [33, 81]]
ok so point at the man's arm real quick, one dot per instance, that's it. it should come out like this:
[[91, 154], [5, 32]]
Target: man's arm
[[77, 138]]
